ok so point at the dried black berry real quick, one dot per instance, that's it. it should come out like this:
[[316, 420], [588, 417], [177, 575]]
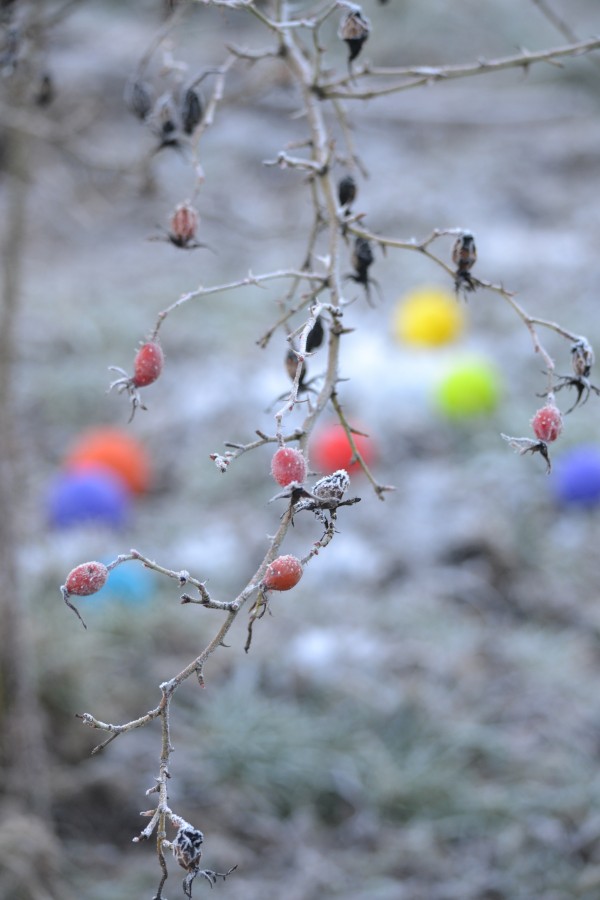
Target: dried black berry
[[346, 190], [138, 97], [362, 258], [315, 335], [191, 111], [291, 365], [45, 91]]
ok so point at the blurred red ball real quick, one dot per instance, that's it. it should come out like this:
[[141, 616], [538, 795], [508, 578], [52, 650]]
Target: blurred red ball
[[331, 450]]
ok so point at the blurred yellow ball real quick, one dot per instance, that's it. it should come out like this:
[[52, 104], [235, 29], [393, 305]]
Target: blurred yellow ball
[[428, 317]]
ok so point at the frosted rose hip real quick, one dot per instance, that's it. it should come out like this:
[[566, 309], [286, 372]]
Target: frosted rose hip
[[282, 574], [547, 423], [148, 364], [86, 579], [184, 223], [288, 465]]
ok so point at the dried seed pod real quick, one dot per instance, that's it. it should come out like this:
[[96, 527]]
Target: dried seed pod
[[191, 110], [165, 122], [346, 190], [582, 358], [527, 445], [464, 257], [332, 487], [45, 93], [464, 253], [138, 96], [582, 361], [315, 335], [184, 224], [187, 847], [354, 30], [326, 496], [362, 258], [291, 365]]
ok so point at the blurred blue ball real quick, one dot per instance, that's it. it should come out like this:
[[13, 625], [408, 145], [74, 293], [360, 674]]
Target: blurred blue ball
[[577, 477], [87, 497], [128, 583]]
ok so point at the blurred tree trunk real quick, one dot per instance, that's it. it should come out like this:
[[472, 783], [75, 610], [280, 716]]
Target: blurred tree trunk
[[22, 751]]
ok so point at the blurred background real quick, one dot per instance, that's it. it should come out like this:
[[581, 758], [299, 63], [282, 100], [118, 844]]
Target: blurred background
[[418, 719]]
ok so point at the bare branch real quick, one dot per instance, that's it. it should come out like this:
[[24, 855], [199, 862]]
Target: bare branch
[[414, 77]]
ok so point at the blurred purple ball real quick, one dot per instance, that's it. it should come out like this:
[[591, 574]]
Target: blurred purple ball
[[577, 477], [93, 496]]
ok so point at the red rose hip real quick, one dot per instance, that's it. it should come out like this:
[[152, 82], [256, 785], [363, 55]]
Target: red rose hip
[[148, 364], [86, 579], [547, 423], [288, 465], [282, 574]]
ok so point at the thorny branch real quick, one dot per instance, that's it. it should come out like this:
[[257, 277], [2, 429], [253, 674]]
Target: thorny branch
[[415, 77]]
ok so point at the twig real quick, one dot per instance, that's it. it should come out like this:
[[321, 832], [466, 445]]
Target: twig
[[423, 75], [233, 285]]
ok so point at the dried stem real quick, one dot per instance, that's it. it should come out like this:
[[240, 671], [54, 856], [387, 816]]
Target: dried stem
[[415, 77], [250, 279]]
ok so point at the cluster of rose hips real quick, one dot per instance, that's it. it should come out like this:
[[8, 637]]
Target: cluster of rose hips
[[289, 469]]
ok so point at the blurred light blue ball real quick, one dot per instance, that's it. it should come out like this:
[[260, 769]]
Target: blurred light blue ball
[[577, 477], [128, 583], [87, 497]]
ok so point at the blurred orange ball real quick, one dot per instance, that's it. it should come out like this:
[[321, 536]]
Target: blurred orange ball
[[115, 450], [330, 450]]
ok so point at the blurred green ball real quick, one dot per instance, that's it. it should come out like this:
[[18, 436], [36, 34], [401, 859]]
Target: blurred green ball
[[470, 388]]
